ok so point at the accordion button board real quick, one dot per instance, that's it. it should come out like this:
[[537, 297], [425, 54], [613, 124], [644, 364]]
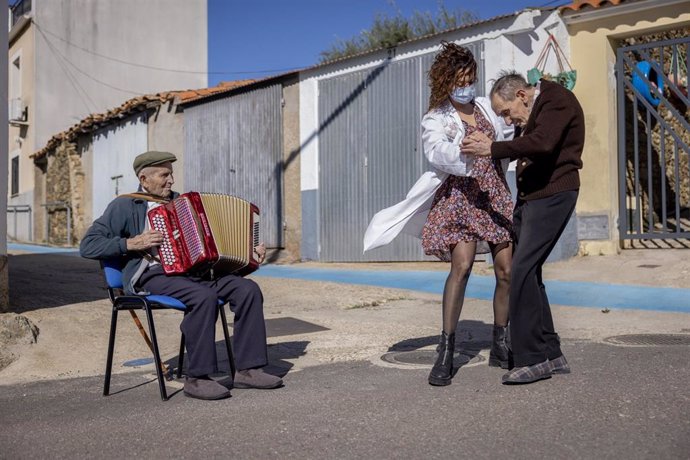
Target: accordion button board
[[207, 230]]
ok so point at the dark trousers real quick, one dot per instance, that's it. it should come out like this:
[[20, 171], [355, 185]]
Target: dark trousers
[[199, 325], [538, 224]]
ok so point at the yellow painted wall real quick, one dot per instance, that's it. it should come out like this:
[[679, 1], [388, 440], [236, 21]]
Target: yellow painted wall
[[593, 53]]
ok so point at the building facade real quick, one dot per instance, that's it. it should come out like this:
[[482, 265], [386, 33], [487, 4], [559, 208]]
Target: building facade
[[598, 31], [72, 58], [80, 170], [323, 149], [360, 134]]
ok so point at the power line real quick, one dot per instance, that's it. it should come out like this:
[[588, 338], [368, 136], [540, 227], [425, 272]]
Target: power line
[[70, 77], [162, 69], [86, 74]]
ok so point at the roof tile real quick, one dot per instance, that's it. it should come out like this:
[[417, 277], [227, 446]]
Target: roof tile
[[134, 105], [577, 5]]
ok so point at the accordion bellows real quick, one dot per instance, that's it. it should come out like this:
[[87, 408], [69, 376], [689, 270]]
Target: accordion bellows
[[207, 230]]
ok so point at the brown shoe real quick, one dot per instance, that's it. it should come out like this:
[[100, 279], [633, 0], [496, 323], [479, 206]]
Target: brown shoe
[[256, 378], [204, 388]]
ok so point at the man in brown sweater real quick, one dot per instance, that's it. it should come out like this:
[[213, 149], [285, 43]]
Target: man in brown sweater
[[548, 154]]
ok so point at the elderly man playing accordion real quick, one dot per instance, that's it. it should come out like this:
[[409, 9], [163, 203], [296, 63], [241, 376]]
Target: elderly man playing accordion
[[123, 231]]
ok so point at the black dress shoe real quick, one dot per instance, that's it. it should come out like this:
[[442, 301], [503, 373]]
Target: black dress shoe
[[442, 372], [528, 374]]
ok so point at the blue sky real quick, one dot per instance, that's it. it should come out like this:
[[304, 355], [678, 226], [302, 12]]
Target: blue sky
[[258, 38]]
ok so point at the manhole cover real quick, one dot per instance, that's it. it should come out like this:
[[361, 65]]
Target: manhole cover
[[426, 358], [649, 339]]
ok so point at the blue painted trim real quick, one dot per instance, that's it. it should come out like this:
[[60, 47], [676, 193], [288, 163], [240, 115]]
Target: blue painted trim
[[569, 293], [138, 362]]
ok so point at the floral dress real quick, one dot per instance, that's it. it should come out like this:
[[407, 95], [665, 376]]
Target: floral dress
[[473, 208]]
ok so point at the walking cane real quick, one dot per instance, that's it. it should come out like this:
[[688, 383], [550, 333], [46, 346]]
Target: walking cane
[[167, 372]]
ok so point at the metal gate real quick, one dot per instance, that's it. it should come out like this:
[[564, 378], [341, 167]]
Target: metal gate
[[654, 140]]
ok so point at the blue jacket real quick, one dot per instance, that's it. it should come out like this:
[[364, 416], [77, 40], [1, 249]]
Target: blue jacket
[[125, 217]]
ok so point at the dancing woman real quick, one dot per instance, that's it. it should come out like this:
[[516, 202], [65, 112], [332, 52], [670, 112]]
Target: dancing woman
[[463, 200]]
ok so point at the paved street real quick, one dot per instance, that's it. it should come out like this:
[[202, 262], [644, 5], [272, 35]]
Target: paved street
[[620, 402], [627, 397]]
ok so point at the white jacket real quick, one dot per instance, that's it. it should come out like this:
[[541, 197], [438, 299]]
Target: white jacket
[[446, 158]]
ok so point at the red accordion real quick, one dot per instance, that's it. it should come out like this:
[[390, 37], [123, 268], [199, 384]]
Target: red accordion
[[207, 230]]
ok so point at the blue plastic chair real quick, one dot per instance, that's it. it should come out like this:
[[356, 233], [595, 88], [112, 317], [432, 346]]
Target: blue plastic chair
[[112, 269]]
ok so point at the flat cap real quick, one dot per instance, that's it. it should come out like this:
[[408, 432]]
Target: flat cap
[[151, 158]]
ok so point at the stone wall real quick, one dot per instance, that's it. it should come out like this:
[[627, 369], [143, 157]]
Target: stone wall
[[64, 188]]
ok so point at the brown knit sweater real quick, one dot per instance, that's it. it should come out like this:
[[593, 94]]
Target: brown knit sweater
[[549, 150]]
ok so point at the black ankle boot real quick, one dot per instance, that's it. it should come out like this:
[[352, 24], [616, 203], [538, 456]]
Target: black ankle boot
[[500, 348], [442, 372]]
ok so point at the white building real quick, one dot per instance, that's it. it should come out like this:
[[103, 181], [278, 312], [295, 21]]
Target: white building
[[72, 58]]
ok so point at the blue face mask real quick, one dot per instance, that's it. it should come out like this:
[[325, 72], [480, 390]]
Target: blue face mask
[[463, 95]]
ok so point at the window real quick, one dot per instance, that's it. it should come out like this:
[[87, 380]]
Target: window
[[16, 77], [15, 176]]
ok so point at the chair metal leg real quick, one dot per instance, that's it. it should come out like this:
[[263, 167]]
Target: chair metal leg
[[156, 353], [180, 358], [228, 346], [111, 349]]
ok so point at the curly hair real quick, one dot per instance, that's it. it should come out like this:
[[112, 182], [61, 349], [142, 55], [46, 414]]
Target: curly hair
[[443, 72]]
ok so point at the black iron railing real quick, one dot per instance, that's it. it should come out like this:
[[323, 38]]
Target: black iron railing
[[653, 140]]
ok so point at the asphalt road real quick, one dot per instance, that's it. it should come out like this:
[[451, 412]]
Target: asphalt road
[[619, 402]]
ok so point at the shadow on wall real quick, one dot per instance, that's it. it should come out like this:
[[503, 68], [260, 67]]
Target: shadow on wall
[[53, 280]]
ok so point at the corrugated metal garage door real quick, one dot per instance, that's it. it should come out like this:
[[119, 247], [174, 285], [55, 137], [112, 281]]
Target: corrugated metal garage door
[[234, 145], [370, 154]]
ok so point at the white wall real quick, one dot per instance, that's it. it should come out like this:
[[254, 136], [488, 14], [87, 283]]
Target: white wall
[[72, 83], [308, 130], [114, 150], [519, 51]]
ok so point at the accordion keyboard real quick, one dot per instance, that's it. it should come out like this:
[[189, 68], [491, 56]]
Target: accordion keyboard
[[188, 226], [204, 231], [165, 250]]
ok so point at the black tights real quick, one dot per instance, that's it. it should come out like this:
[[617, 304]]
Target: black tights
[[462, 258]]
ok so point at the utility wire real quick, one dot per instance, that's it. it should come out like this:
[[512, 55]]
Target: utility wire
[[90, 77], [75, 84], [163, 69], [86, 74]]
